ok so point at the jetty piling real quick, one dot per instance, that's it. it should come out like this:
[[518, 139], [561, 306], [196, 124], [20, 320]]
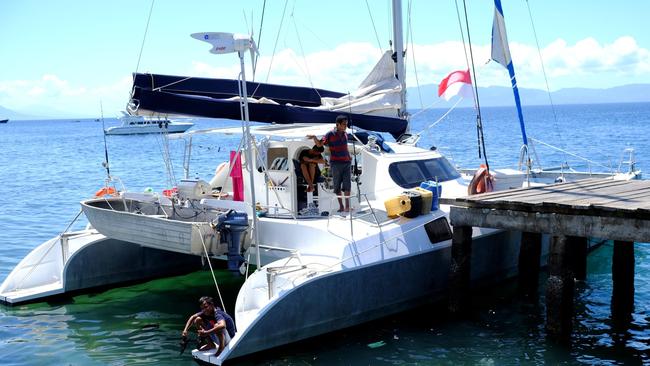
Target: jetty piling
[[570, 213], [530, 253], [623, 282], [459, 272]]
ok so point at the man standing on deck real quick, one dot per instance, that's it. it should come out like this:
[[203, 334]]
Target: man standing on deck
[[340, 160]]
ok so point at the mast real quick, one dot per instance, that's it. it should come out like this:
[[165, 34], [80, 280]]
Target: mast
[[228, 43], [398, 44]]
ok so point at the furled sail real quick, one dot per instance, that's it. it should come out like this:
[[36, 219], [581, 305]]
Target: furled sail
[[372, 107], [378, 94]]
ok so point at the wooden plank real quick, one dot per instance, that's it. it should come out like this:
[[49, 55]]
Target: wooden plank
[[528, 194], [511, 193], [607, 200], [639, 195], [600, 191], [564, 201]]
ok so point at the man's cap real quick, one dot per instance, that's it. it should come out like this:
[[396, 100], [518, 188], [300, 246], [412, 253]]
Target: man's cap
[[341, 117]]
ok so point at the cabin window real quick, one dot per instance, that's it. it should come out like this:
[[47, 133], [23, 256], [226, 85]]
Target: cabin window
[[277, 158], [409, 174]]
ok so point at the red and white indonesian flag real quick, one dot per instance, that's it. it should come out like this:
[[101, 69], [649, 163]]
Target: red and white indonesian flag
[[457, 83]]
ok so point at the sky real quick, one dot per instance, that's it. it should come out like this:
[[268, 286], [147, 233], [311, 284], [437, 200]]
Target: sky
[[76, 57]]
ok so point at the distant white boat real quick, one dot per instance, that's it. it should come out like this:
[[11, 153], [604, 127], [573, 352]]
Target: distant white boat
[[131, 125]]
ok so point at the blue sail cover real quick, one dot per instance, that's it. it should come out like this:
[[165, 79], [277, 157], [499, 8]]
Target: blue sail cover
[[209, 98]]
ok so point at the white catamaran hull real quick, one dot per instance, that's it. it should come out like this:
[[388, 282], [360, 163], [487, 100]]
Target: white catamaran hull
[[86, 259], [309, 301]]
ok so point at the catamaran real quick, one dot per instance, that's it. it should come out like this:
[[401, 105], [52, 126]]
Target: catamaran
[[316, 270]]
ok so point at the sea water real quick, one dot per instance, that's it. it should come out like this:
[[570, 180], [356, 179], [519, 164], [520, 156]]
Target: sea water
[[48, 166]]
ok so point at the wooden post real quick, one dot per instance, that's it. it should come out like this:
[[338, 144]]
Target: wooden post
[[577, 254], [559, 291], [529, 257], [623, 278], [459, 272]]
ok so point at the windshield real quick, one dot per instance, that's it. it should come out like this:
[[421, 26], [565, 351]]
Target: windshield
[[409, 174]]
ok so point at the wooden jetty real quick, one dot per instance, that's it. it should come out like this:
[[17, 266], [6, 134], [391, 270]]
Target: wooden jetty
[[569, 213]]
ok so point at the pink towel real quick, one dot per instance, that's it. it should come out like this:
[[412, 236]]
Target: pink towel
[[237, 176]]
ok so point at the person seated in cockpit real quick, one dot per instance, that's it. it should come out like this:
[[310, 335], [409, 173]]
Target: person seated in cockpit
[[309, 160]]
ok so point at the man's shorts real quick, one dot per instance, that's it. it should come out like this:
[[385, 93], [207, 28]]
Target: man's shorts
[[341, 176]]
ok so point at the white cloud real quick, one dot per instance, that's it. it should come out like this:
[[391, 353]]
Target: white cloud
[[586, 63], [55, 93]]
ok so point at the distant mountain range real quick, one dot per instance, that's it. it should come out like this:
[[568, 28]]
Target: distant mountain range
[[8, 113], [495, 96], [37, 112]]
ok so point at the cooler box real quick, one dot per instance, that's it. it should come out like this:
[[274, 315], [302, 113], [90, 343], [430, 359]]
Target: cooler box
[[416, 204], [397, 205], [436, 190], [427, 197]]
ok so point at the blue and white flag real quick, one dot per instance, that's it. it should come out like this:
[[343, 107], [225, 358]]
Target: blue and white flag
[[500, 49], [501, 54]]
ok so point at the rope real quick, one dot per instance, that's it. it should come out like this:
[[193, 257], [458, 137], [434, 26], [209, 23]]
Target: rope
[[571, 154], [435, 102], [214, 278], [172, 83], [372, 20], [440, 119]]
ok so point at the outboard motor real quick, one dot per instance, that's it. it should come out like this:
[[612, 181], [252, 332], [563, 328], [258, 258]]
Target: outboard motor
[[232, 226]]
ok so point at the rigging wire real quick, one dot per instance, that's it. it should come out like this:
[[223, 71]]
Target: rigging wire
[[548, 89], [275, 47], [163, 145], [479, 121], [462, 37], [415, 68], [144, 38], [259, 41], [372, 20], [302, 52]]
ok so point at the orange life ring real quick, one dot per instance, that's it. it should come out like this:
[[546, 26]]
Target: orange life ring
[[482, 182], [106, 191]]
